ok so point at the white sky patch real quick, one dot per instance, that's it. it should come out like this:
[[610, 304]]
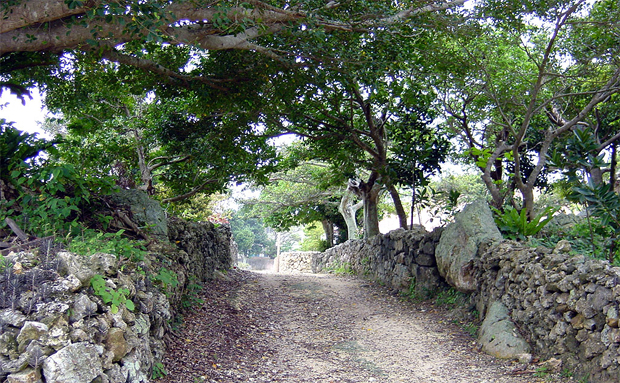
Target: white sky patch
[[27, 118]]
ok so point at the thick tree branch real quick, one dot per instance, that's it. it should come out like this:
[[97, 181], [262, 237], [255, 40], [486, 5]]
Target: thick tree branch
[[152, 165], [190, 193], [154, 67], [40, 11]]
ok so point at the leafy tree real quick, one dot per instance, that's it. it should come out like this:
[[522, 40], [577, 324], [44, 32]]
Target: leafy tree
[[300, 196], [313, 239], [16, 148], [149, 141], [44, 197], [346, 98], [40, 35], [526, 82], [251, 236], [418, 152]]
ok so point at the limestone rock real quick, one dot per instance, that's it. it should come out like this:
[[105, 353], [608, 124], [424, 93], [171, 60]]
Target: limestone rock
[[297, 261], [31, 331], [499, 336], [69, 284], [117, 344], [104, 264], [76, 363], [28, 375], [116, 374], [146, 211], [13, 366], [76, 265], [135, 369], [458, 246], [8, 344], [82, 307], [12, 318]]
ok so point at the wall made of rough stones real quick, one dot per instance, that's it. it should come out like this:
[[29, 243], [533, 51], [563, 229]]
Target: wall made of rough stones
[[401, 259], [54, 329], [566, 306], [296, 261]]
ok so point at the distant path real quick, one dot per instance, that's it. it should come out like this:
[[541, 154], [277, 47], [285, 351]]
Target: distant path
[[323, 328]]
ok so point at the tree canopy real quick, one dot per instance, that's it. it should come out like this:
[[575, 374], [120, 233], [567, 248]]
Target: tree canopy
[[182, 97]]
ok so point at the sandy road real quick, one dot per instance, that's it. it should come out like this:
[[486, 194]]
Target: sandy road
[[324, 328]]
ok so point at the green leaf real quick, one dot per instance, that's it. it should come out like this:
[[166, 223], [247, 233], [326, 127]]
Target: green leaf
[[130, 305]]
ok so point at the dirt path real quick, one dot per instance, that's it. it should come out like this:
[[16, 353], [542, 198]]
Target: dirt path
[[322, 328]]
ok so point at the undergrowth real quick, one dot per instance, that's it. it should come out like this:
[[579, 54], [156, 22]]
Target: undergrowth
[[341, 268]]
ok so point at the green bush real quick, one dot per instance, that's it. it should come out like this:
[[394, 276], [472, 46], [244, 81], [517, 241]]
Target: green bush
[[341, 268], [191, 297], [165, 278], [589, 239], [92, 241]]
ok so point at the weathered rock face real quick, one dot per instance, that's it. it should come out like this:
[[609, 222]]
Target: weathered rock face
[[54, 328], [206, 248], [499, 336], [459, 243], [146, 212], [402, 259], [78, 362]]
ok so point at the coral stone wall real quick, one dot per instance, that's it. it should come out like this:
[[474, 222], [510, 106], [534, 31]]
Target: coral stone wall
[[402, 259], [566, 306], [296, 261], [55, 328]]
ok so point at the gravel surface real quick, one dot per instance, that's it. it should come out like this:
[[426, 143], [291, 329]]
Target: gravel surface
[[256, 327]]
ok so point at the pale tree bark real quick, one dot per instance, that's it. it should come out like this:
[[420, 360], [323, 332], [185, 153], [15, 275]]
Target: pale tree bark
[[52, 26], [349, 211]]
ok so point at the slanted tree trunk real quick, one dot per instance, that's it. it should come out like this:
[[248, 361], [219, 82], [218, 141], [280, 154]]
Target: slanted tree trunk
[[398, 205], [348, 211]]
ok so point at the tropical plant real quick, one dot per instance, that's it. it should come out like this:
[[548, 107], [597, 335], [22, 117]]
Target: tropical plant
[[517, 225], [527, 80], [604, 203], [93, 241]]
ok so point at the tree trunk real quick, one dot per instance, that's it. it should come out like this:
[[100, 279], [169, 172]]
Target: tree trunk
[[371, 214], [528, 201], [596, 175], [369, 193], [145, 173], [348, 212], [398, 205], [328, 228]]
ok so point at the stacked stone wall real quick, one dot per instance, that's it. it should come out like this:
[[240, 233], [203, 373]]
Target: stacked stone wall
[[565, 306], [296, 261], [54, 328], [401, 259]]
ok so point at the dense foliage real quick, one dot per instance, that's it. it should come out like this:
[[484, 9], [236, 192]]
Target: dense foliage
[[182, 98]]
